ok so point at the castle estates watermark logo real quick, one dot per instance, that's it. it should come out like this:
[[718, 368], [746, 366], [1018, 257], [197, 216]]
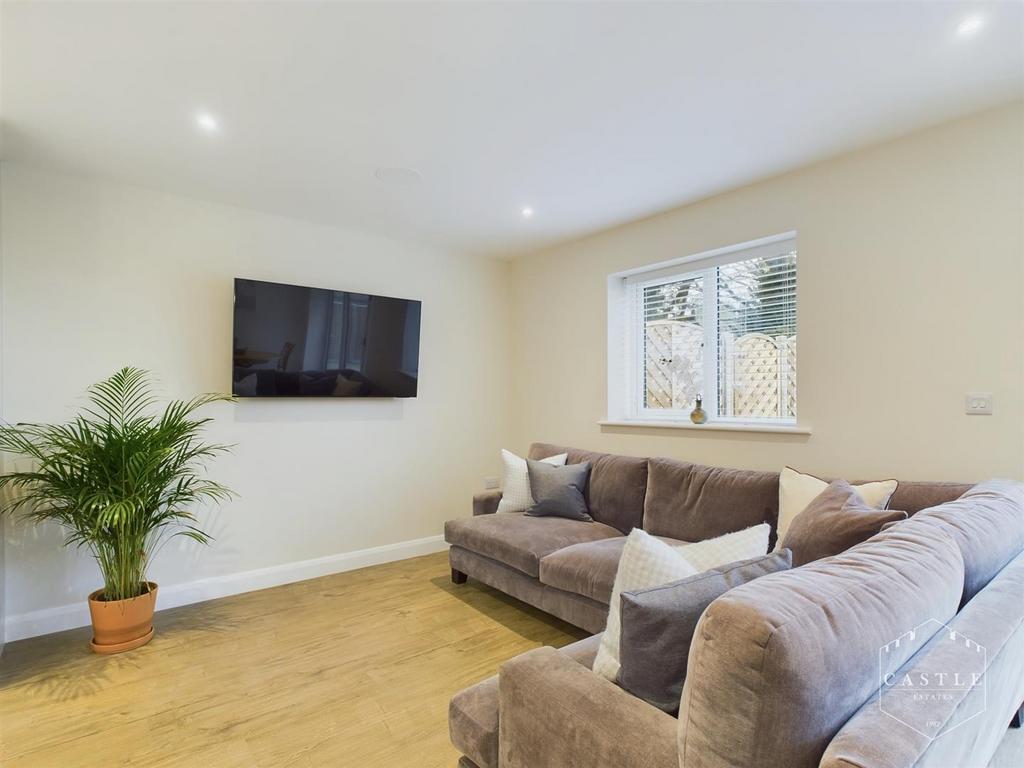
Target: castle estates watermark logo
[[942, 690]]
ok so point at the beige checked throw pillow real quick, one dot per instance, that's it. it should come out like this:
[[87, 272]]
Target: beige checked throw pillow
[[649, 562]]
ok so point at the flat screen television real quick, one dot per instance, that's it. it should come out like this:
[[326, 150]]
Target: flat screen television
[[293, 341]]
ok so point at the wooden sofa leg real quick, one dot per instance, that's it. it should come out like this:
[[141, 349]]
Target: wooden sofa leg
[[1018, 718], [458, 577]]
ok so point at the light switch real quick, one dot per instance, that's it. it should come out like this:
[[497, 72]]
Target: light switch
[[979, 404], [491, 483]]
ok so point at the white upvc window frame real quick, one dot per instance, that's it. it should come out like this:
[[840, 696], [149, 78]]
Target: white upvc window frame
[[634, 359], [626, 336]]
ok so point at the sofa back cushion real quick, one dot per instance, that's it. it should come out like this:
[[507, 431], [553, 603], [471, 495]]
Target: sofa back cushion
[[693, 502], [913, 496], [902, 727], [779, 665], [617, 485], [987, 523]]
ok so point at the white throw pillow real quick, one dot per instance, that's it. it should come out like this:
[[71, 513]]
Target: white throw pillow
[[649, 562], [645, 562], [797, 490], [515, 481], [722, 550]]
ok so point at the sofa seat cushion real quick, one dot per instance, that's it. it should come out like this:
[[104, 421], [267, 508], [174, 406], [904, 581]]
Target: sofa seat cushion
[[473, 712], [588, 568], [583, 651], [473, 722], [520, 541], [617, 485]]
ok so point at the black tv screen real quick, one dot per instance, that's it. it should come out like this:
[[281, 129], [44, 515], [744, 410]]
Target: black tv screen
[[293, 341]]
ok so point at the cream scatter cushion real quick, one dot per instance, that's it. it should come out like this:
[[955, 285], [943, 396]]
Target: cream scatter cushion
[[645, 562], [515, 481], [730, 548], [797, 490], [650, 562]]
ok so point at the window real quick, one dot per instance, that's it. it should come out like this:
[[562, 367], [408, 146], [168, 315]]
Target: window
[[720, 326]]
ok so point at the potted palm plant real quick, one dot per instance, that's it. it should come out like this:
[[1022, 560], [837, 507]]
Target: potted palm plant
[[121, 480]]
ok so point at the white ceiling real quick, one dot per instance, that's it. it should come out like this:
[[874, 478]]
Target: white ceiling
[[593, 114]]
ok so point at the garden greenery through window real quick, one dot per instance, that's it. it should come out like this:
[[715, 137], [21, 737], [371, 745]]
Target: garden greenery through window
[[723, 329]]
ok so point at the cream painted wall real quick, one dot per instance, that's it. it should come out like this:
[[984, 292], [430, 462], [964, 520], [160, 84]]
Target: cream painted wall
[[910, 286], [3, 518], [98, 276]]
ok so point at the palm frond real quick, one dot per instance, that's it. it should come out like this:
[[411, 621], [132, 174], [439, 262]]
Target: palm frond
[[119, 478]]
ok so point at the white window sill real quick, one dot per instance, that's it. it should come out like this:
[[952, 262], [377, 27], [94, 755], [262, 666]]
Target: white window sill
[[711, 426]]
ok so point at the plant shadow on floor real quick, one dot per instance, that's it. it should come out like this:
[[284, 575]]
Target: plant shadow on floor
[[62, 667], [211, 616], [495, 604]]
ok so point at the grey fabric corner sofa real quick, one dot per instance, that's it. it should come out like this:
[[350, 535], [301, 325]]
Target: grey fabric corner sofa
[[566, 567], [784, 671]]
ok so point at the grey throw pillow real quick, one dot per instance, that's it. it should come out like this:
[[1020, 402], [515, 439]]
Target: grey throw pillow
[[559, 491], [835, 520], [658, 626]]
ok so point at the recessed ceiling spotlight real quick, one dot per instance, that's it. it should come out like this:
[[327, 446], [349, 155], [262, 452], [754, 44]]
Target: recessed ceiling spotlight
[[399, 177], [970, 25], [527, 212], [207, 122]]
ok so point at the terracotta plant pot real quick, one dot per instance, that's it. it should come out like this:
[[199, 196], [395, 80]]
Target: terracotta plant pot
[[120, 625]]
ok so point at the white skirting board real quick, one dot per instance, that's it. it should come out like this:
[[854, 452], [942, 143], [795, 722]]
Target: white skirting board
[[47, 620]]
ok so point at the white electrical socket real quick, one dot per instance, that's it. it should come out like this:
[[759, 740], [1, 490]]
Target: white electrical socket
[[491, 483], [978, 404]]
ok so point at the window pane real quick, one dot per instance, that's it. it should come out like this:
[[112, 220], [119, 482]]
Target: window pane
[[757, 338], [673, 360]]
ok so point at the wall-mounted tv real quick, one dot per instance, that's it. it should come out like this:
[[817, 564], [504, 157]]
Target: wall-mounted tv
[[293, 341]]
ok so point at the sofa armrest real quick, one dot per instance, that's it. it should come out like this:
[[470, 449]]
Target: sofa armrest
[[556, 713], [486, 503]]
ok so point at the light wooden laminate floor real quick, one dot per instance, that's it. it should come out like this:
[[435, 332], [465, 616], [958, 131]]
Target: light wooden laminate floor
[[354, 669]]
